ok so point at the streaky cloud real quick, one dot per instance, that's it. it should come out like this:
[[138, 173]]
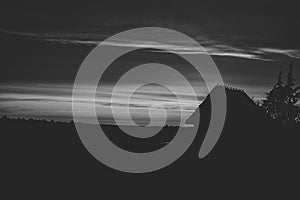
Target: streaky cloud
[[212, 47]]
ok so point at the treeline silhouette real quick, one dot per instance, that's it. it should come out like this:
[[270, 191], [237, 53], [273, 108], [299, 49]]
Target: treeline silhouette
[[255, 157], [280, 102]]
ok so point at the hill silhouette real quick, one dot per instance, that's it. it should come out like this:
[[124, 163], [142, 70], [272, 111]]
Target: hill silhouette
[[248, 130], [255, 156]]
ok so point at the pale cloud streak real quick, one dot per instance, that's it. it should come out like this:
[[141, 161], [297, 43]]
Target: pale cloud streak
[[212, 47]]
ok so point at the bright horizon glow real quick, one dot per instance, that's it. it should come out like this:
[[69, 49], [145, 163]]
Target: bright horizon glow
[[55, 102]]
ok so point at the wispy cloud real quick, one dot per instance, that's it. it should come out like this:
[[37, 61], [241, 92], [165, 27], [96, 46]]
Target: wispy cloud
[[292, 53], [212, 47]]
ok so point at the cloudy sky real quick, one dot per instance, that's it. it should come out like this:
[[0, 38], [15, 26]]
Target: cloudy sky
[[43, 44]]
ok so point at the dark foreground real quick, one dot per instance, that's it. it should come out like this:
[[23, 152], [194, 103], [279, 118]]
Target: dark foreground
[[254, 157]]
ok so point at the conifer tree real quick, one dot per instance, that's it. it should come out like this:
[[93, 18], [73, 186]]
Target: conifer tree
[[280, 103]]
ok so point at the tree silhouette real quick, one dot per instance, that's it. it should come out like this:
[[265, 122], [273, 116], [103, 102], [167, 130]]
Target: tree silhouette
[[280, 103]]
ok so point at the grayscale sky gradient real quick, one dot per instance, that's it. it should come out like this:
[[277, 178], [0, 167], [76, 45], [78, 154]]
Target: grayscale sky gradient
[[43, 43]]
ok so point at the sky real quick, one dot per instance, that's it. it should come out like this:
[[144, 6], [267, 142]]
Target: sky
[[43, 44]]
